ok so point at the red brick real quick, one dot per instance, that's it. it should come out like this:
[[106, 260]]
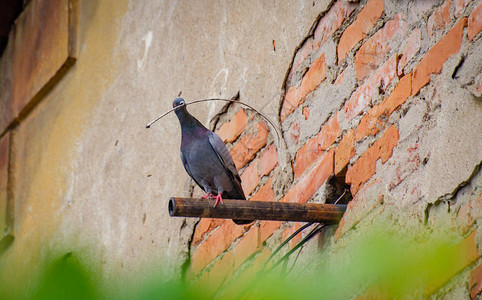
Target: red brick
[[296, 96], [222, 271], [267, 229], [247, 246], [265, 193], [204, 227], [459, 6], [261, 259], [330, 22], [362, 96], [475, 22], [268, 160], [372, 53], [315, 146], [365, 167], [468, 253], [411, 48], [289, 231], [400, 94], [357, 31], [329, 132], [301, 55], [475, 281], [388, 142], [376, 117], [310, 151], [214, 245], [291, 101], [247, 146], [465, 220], [294, 132], [433, 61], [231, 130], [314, 76], [371, 123], [250, 178], [306, 112], [439, 19], [312, 180], [362, 204], [340, 78], [344, 151]]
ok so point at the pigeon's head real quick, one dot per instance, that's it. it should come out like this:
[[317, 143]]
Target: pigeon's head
[[179, 102]]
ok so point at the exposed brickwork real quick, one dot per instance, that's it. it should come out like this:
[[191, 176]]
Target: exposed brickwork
[[363, 95], [372, 53], [475, 22], [247, 246], [219, 240], [358, 30], [459, 6], [332, 21], [344, 151], [365, 167], [433, 61], [221, 272], [289, 231], [475, 281], [204, 227], [374, 137], [247, 146], [306, 113], [374, 120], [232, 129], [301, 55], [312, 180], [268, 160], [411, 47], [250, 178], [314, 147], [267, 229], [265, 193], [296, 95], [439, 19]]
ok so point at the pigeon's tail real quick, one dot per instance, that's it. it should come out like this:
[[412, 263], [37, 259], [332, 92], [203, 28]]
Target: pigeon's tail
[[237, 194]]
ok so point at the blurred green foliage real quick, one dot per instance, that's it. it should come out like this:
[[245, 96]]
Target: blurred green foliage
[[381, 262]]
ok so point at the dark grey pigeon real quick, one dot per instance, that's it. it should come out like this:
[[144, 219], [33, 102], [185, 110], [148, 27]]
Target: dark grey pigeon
[[207, 160]]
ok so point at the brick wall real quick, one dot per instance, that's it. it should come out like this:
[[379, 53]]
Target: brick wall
[[381, 98]]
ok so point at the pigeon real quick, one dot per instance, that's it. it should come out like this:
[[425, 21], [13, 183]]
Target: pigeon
[[207, 160]]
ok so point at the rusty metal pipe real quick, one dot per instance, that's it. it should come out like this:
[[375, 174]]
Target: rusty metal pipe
[[256, 210]]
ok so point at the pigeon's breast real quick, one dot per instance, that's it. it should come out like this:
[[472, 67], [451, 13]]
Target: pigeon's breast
[[202, 160]]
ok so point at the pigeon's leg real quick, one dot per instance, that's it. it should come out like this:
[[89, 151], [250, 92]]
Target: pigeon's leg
[[218, 199], [208, 196]]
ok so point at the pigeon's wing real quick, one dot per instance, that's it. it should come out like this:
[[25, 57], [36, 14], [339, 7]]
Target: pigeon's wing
[[223, 155], [188, 170]]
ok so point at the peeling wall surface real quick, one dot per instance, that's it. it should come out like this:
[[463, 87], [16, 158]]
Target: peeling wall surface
[[378, 98]]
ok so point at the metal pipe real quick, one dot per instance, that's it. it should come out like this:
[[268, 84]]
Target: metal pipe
[[257, 210]]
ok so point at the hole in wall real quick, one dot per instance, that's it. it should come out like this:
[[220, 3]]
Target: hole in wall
[[337, 188]]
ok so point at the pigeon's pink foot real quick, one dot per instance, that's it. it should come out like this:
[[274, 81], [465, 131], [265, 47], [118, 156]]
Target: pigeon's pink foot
[[218, 199], [208, 196]]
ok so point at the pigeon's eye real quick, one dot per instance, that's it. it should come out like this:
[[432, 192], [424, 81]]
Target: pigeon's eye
[[181, 103]]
